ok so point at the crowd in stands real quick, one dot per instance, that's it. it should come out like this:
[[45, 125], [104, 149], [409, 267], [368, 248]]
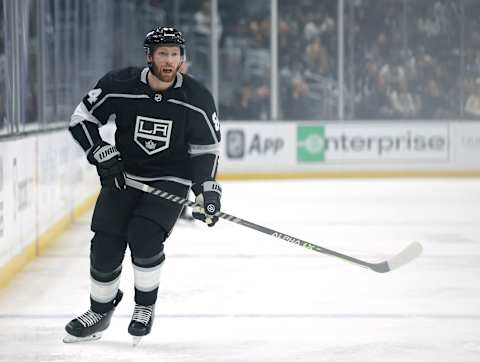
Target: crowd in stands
[[307, 59], [408, 60], [244, 60], [403, 60]]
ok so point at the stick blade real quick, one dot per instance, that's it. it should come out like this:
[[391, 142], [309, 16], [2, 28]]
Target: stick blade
[[404, 257]]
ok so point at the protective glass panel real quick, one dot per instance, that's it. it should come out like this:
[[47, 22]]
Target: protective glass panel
[[137, 19], [471, 60], [307, 59], [405, 59], [431, 57], [29, 42], [50, 81], [3, 73], [192, 17], [62, 28], [244, 33]]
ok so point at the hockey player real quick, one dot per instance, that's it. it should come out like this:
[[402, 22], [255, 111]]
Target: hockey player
[[167, 135]]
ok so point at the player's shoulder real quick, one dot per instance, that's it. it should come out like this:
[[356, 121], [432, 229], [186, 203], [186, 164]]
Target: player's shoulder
[[121, 78], [195, 90]]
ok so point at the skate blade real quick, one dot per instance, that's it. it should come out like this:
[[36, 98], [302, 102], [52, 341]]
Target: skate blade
[[136, 340], [72, 339]]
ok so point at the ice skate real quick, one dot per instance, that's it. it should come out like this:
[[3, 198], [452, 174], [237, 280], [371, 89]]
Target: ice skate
[[90, 325], [141, 323]]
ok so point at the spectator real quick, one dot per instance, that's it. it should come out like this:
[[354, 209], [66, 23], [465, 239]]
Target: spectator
[[372, 96], [391, 75], [402, 101], [318, 59], [300, 99], [432, 103], [472, 106]]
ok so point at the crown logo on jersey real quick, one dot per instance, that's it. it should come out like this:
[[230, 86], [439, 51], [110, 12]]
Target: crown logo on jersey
[[150, 145]]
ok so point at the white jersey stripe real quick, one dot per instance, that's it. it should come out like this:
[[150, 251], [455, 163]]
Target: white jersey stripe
[[203, 149], [87, 134], [117, 95], [81, 114], [214, 167], [161, 178]]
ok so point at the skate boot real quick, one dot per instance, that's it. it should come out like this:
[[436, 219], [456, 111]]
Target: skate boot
[[142, 321], [90, 325]]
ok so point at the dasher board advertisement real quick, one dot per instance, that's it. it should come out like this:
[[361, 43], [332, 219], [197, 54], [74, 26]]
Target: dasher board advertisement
[[261, 145], [289, 147], [372, 143]]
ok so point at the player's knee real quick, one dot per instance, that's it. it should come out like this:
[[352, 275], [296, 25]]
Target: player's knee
[[106, 252], [146, 239]]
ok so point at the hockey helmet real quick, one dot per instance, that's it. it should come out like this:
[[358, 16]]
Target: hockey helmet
[[164, 36]]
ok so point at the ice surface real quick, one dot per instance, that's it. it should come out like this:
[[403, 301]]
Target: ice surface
[[233, 294]]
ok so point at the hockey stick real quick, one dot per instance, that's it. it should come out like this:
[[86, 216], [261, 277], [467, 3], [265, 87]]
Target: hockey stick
[[405, 256]]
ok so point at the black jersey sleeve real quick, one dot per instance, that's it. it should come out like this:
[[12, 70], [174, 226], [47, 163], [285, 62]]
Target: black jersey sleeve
[[93, 111], [203, 138], [98, 101]]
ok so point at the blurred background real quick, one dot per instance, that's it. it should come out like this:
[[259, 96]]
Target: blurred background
[[263, 60]]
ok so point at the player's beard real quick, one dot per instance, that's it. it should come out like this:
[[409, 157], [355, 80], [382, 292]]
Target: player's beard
[[164, 76]]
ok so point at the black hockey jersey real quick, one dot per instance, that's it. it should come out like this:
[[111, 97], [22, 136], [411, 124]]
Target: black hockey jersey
[[170, 135]]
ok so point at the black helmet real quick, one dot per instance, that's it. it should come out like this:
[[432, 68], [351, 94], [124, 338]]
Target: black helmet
[[163, 35]]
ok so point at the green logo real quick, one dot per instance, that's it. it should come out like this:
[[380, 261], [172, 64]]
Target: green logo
[[310, 143]]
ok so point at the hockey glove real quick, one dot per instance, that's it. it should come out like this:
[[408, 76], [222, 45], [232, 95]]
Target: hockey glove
[[207, 203], [109, 165]]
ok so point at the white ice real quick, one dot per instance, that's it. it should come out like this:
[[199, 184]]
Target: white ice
[[233, 294]]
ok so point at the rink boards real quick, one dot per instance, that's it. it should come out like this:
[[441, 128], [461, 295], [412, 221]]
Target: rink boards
[[343, 149], [45, 180]]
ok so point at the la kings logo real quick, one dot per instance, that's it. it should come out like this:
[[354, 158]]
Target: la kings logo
[[152, 135]]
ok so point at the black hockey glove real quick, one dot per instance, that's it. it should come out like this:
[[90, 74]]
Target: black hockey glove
[[207, 202], [109, 165]]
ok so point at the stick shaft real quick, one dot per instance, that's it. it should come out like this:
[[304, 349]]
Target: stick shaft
[[381, 267]]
